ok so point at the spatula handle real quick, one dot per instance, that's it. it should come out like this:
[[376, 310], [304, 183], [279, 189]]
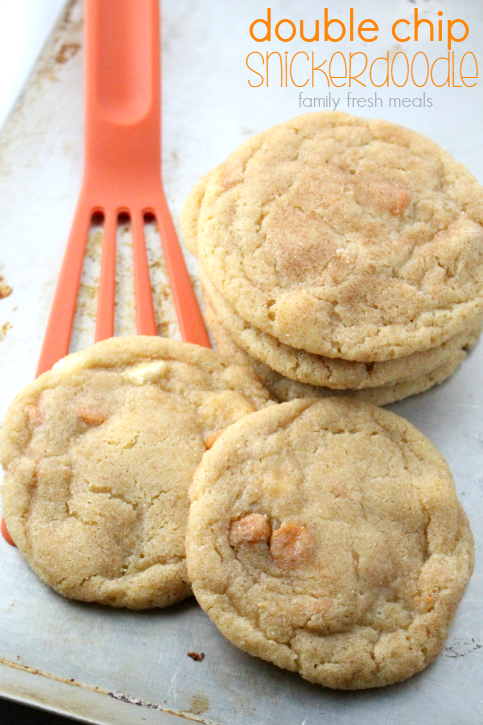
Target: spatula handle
[[122, 94]]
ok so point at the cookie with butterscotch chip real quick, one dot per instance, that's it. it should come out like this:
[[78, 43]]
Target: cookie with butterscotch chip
[[326, 537], [318, 373], [346, 237], [99, 454]]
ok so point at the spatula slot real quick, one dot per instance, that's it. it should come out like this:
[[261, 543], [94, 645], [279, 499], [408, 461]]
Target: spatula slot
[[83, 328], [166, 321], [125, 310]]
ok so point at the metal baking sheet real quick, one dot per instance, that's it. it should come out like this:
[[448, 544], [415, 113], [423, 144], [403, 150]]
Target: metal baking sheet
[[107, 666]]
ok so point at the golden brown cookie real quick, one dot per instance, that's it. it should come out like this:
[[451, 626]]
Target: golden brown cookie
[[99, 454], [347, 237], [335, 373], [283, 389], [326, 537]]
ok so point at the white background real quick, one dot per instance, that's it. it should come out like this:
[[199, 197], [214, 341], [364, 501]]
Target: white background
[[24, 28]]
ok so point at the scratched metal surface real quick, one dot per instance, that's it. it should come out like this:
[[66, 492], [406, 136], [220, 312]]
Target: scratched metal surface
[[141, 658]]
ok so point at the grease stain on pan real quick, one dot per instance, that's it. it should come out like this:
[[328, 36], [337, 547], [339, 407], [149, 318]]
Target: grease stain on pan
[[67, 51], [199, 705], [35, 671], [117, 695]]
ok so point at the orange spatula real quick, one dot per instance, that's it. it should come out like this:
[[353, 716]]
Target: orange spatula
[[122, 174]]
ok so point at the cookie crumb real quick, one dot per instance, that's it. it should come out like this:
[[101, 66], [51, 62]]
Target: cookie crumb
[[5, 289], [197, 657], [4, 329]]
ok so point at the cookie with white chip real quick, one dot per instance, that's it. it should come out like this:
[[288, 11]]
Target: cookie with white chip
[[99, 454]]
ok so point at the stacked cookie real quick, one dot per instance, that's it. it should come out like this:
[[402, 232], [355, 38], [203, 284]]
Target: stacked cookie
[[340, 254]]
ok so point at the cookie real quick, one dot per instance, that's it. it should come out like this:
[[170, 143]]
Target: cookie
[[283, 389], [347, 237], [326, 537], [305, 367], [99, 454]]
